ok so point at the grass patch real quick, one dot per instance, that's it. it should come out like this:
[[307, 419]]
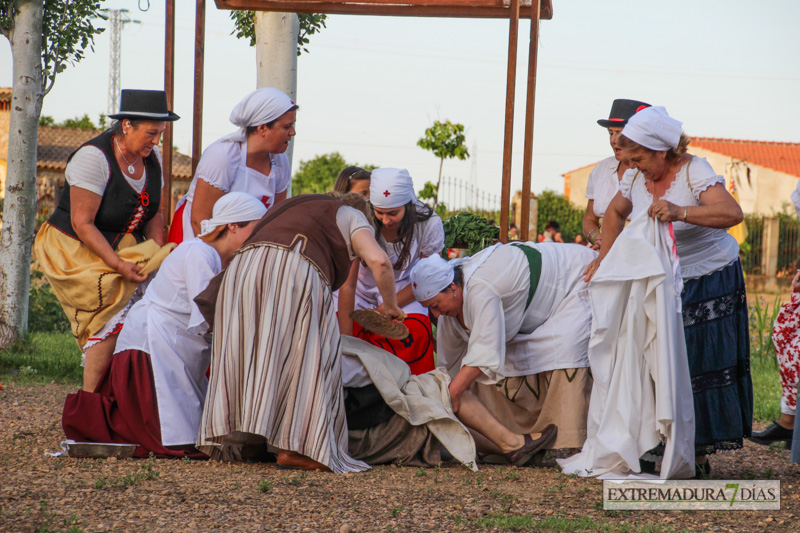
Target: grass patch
[[42, 357], [560, 523], [766, 387]]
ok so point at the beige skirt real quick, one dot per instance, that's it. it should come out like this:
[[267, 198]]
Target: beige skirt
[[528, 404], [90, 291]]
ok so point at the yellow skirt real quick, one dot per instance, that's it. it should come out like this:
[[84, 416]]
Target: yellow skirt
[[90, 291]]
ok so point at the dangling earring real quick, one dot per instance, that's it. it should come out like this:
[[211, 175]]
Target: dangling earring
[[454, 294]]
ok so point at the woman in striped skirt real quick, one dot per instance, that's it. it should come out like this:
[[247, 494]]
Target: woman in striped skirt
[[276, 355]]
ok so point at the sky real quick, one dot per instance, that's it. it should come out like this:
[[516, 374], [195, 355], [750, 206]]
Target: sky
[[371, 85]]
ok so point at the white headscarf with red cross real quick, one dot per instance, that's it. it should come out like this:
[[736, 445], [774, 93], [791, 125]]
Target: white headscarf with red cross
[[390, 188]]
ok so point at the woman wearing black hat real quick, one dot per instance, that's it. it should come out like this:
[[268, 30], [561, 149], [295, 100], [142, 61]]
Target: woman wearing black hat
[[106, 233], [604, 179]]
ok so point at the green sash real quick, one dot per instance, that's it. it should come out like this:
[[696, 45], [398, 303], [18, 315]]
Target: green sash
[[534, 258]]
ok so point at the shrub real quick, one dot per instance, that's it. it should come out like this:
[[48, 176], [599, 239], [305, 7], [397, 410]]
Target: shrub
[[44, 311]]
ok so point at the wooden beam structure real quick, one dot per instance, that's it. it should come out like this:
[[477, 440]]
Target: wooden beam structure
[[514, 10], [169, 88], [394, 8]]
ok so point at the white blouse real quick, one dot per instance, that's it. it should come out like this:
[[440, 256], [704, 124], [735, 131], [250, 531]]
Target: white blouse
[[504, 339], [89, 169], [428, 239], [167, 324], [603, 185], [702, 250], [223, 165]]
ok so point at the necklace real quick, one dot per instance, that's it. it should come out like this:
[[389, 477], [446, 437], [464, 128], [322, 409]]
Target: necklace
[[131, 169]]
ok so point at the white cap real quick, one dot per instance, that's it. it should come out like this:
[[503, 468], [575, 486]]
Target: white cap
[[430, 276], [390, 188], [233, 207], [653, 128]]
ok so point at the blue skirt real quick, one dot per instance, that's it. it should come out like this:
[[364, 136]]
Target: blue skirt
[[717, 332]]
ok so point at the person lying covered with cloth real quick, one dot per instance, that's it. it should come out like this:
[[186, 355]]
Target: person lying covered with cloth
[[513, 332]]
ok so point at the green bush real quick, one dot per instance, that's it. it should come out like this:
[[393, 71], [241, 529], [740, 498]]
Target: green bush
[[554, 206], [45, 313]]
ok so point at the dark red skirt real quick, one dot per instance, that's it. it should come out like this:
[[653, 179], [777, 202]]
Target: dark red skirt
[[416, 349], [122, 409]]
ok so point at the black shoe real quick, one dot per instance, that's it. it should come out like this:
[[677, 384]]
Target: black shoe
[[702, 470], [774, 433], [647, 467]]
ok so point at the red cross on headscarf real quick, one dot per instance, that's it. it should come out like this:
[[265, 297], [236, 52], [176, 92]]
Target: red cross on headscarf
[[386, 193], [415, 285]]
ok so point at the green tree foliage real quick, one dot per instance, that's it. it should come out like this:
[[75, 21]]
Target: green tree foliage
[[446, 141], [78, 123], [310, 23], [67, 31], [319, 174], [554, 206]]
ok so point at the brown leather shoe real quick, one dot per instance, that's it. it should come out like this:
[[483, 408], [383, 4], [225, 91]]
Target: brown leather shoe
[[522, 455], [288, 460]]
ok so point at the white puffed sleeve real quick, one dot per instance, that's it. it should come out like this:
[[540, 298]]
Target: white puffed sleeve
[[217, 165], [626, 183], [701, 176], [88, 169], [282, 170], [432, 238]]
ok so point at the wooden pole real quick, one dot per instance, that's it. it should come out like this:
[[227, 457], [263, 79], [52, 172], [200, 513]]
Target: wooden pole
[[508, 142], [199, 46], [169, 88], [525, 205]]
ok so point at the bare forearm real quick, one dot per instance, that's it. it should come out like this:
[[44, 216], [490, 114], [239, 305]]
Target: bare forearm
[[155, 229], [712, 216], [612, 227], [384, 279], [464, 379], [94, 240], [405, 296]]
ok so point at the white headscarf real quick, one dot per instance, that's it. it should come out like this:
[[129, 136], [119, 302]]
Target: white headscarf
[[653, 128], [390, 188], [231, 208], [259, 107], [430, 276]]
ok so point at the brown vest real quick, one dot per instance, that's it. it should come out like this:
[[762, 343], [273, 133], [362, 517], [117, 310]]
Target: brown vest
[[307, 218]]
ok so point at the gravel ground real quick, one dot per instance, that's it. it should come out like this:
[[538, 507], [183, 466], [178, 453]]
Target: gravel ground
[[42, 493]]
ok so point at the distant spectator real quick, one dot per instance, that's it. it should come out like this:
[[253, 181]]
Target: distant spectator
[[513, 234], [552, 232], [580, 240], [353, 179]]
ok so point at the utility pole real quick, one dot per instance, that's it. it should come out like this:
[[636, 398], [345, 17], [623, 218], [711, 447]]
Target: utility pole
[[117, 18]]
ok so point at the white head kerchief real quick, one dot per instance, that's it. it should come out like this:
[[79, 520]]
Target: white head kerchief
[[430, 276], [231, 208], [653, 128], [390, 188], [259, 107]]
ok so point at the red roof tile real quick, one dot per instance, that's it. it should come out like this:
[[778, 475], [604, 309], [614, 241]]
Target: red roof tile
[[780, 156], [56, 144]]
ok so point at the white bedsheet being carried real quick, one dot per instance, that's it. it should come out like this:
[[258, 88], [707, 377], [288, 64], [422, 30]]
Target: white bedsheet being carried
[[642, 392]]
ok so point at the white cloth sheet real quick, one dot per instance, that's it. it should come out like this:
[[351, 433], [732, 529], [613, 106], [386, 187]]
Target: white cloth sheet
[[642, 392], [504, 339], [420, 400], [167, 324]]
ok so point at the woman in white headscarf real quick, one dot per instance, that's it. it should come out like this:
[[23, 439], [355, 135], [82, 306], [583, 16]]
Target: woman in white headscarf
[[513, 329], [407, 230], [250, 160], [679, 188], [153, 390]]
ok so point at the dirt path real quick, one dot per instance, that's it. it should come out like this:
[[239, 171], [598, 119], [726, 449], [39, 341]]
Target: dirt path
[[41, 493]]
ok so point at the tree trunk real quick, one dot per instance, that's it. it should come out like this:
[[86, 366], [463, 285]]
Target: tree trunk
[[276, 55], [19, 216], [438, 183]]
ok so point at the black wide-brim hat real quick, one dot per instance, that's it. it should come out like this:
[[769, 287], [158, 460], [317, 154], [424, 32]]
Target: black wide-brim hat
[[621, 111], [144, 105]]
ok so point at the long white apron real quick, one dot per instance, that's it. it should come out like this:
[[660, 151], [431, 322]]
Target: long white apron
[[642, 392]]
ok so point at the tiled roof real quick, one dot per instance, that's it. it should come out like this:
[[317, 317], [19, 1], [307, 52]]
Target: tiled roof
[[780, 156], [55, 145], [580, 168]]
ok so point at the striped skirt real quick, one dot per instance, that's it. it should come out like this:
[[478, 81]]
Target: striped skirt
[[276, 361]]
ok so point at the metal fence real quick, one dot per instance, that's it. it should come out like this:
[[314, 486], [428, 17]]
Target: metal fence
[[459, 195], [789, 247], [752, 249]]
